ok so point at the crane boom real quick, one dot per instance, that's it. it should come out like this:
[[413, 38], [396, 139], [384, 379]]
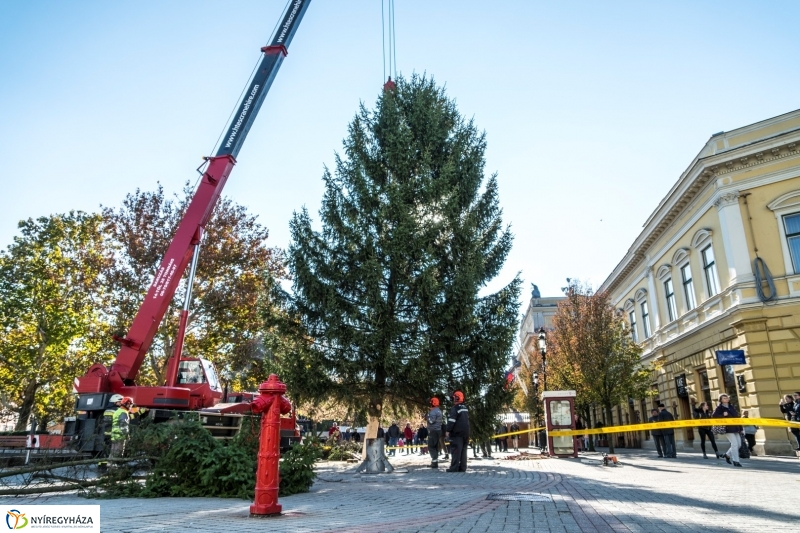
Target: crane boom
[[134, 345]]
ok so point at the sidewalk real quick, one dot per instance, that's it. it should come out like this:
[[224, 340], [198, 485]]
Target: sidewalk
[[644, 494]]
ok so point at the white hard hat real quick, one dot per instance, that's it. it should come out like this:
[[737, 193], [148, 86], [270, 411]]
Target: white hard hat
[[116, 398]]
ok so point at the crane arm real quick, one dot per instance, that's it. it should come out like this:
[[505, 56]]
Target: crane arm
[[136, 342]]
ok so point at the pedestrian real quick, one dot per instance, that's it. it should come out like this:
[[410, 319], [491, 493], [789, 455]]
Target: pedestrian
[[498, 441], [348, 434], [120, 427], [355, 436], [656, 433], [408, 435], [668, 433], [578, 427], [394, 435], [422, 440], [788, 408], [702, 413], [515, 437], [504, 438], [434, 420], [749, 433], [458, 431], [334, 433], [726, 410], [797, 416]]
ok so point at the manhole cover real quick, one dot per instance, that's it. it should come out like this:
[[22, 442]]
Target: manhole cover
[[519, 497]]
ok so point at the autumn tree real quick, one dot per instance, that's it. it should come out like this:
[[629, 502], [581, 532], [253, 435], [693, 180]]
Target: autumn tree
[[231, 292], [390, 288], [591, 352], [49, 300]]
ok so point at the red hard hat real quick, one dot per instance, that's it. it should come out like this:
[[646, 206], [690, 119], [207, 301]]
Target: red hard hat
[[434, 402], [127, 400], [458, 396]]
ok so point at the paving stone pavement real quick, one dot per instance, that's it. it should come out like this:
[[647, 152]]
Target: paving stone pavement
[[644, 494]]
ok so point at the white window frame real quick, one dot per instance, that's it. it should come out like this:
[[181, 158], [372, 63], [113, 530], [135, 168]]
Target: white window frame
[[641, 298], [645, 319], [669, 298], [681, 259], [786, 204], [710, 273], [701, 241], [664, 274]]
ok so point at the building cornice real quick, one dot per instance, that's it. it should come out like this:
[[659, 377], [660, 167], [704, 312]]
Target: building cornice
[[704, 170]]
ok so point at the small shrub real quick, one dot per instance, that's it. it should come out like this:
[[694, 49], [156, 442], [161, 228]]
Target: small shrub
[[344, 451], [297, 468]]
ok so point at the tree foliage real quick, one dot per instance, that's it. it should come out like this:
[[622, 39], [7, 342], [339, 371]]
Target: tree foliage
[[49, 300], [231, 292], [388, 292], [590, 350]]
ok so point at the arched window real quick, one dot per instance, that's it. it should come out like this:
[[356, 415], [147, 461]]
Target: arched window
[[702, 241], [681, 261]]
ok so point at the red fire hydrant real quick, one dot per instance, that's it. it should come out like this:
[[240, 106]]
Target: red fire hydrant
[[271, 404]]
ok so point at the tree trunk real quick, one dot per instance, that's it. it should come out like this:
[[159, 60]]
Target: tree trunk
[[374, 412], [610, 418], [375, 461], [26, 407]]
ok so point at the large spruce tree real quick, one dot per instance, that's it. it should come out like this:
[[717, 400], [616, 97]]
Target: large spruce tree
[[389, 291]]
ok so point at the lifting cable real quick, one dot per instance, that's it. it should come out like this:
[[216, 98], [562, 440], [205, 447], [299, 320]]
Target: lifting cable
[[760, 269], [387, 26]]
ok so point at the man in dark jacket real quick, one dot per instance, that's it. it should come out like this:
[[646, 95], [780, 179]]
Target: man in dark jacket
[[394, 435], [458, 431], [656, 433], [434, 431], [669, 434]]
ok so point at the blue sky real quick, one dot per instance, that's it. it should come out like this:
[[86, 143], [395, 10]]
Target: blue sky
[[592, 110]]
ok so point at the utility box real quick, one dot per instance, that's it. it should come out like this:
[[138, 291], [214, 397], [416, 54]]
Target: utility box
[[559, 414]]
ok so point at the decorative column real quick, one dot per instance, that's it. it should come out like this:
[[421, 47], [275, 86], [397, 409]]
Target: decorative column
[[271, 404], [737, 252]]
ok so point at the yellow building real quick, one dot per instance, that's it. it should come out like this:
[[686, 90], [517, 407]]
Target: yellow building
[[689, 287]]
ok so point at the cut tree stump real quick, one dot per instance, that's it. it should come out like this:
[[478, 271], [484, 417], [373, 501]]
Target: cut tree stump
[[375, 461]]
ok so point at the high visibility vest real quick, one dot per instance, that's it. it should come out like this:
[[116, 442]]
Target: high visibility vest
[[119, 425]]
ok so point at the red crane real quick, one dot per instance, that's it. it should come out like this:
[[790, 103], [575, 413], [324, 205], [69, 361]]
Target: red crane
[[191, 383]]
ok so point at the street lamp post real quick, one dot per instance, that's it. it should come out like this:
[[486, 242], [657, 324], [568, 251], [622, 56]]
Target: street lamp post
[[536, 412], [543, 350]]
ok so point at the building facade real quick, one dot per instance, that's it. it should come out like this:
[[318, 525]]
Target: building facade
[[717, 267], [539, 314]]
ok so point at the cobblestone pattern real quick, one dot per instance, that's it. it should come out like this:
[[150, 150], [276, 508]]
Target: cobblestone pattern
[[643, 495]]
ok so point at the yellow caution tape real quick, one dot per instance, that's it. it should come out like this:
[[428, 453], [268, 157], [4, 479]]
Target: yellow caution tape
[[530, 430], [767, 422], [704, 422]]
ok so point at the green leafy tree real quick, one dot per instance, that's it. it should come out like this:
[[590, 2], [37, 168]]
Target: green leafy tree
[[49, 296], [231, 292], [592, 353], [388, 292]]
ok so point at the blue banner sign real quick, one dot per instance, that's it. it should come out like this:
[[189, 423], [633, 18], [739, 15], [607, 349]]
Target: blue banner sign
[[730, 357]]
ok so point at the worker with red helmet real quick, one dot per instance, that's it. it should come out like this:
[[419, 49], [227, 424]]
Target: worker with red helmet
[[434, 420], [121, 426], [458, 431]]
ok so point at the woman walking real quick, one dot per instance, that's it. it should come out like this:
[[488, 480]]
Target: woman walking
[[703, 412], [726, 410]]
